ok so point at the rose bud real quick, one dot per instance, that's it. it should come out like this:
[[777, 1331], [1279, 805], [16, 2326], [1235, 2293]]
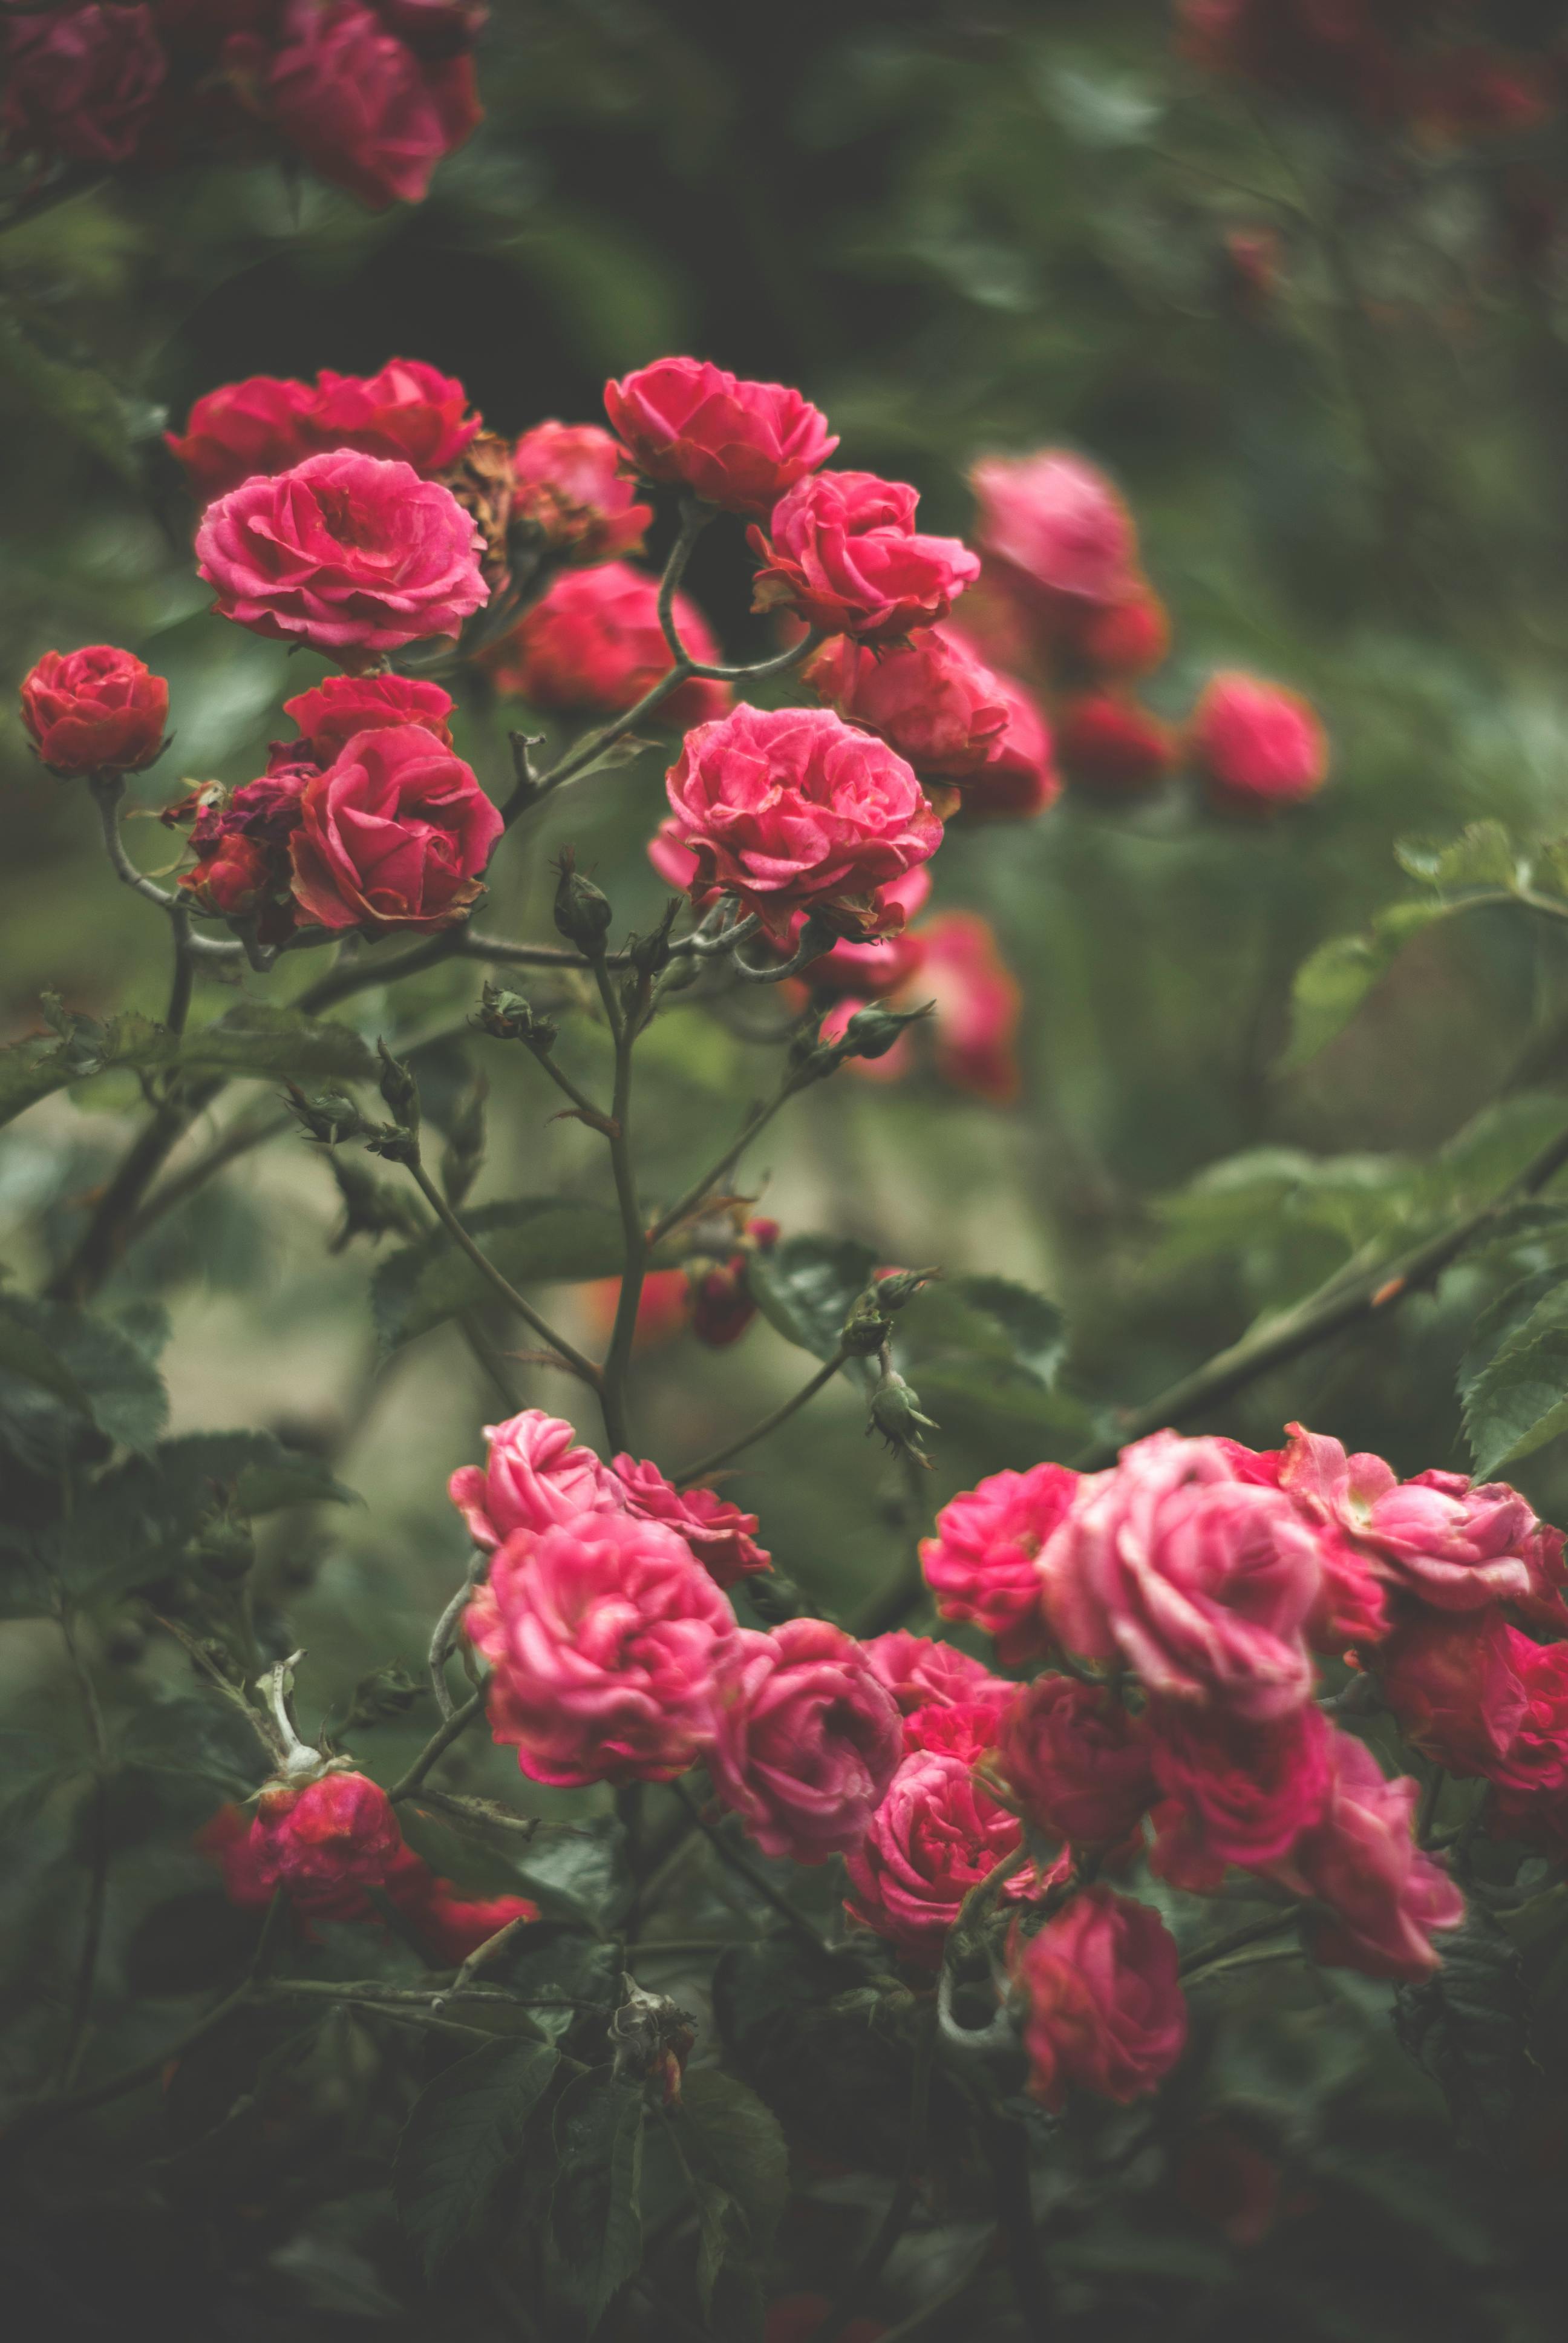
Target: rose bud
[[721, 1303], [1386, 1899], [350, 554], [1074, 1761], [736, 444], [94, 711], [805, 1738], [603, 1636], [1256, 745], [332, 712], [720, 1535], [789, 811], [925, 697], [1107, 743], [1058, 531], [568, 483], [337, 1834], [1019, 777], [936, 1835], [982, 1563], [235, 878], [593, 644], [393, 837], [1103, 2010], [1233, 1792], [80, 84], [260, 424], [841, 551], [537, 1477], [408, 411]]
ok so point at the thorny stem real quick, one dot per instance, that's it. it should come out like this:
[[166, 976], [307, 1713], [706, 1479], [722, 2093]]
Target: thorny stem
[[107, 789], [566, 1353], [436, 1747], [183, 983], [706, 1465], [745, 1869], [446, 1632], [757, 1119]]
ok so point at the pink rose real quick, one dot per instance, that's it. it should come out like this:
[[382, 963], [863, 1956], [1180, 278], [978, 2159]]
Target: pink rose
[[260, 424], [736, 444], [79, 82], [1439, 1536], [1019, 777], [393, 836], [1108, 742], [337, 1834], [567, 482], [603, 1636], [967, 1729], [919, 1672], [925, 697], [722, 1537], [408, 411], [332, 712], [1103, 2010], [593, 644], [1351, 1609], [1233, 1792], [1058, 524], [843, 554], [935, 1836], [1116, 638], [350, 554], [979, 1002], [1256, 745], [97, 710], [805, 1739], [1075, 1761], [1530, 1776], [1450, 1680], [1199, 1582], [791, 811], [228, 1840], [537, 1477], [1386, 1898], [982, 1563]]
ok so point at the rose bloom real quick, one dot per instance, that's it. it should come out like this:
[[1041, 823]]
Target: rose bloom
[[1351, 1611], [603, 1636], [1056, 524], [408, 411], [920, 1673], [1103, 2011], [805, 1738], [1199, 1582], [1019, 777], [332, 712], [925, 697], [966, 1729], [1529, 1778], [242, 837], [567, 482], [869, 971], [936, 1835], [1075, 1761], [96, 711], [336, 1834], [1386, 1898], [238, 878], [351, 554], [80, 84], [1256, 745], [979, 1003], [393, 837], [260, 424], [736, 444], [982, 1563], [842, 552], [1450, 1679], [1232, 1792], [593, 644], [1108, 742], [1118, 638], [722, 1537], [536, 1477], [791, 811]]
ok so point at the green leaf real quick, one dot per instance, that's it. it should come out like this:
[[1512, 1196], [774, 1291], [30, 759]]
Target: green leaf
[[1503, 1318], [88, 1365], [466, 2131], [138, 1520], [76, 396], [983, 1343], [1483, 855], [805, 1286], [595, 2211], [1519, 1400], [267, 1044], [556, 1239], [732, 2138], [1331, 984], [1468, 2024], [581, 1870]]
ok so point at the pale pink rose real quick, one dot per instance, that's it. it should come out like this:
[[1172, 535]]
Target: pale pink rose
[[1057, 525], [1103, 2006], [1351, 1608], [1386, 1899], [722, 1537], [536, 1477], [805, 1738], [935, 1836], [603, 1636], [1075, 1761], [981, 1565]]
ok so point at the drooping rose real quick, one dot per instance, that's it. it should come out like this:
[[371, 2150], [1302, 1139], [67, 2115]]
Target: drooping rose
[[1075, 1761], [338, 1833], [351, 554], [593, 644], [1200, 1583], [979, 1002], [842, 552], [805, 1738], [936, 1835], [260, 424], [1386, 1899], [536, 1477], [927, 698], [332, 712], [920, 1673], [567, 482], [1056, 524], [981, 1564], [95, 711], [228, 1840], [789, 810], [1256, 745], [394, 835], [721, 1537], [603, 1636], [1232, 1792], [79, 84], [1450, 1679], [407, 411], [1107, 741], [1103, 2010], [736, 444]]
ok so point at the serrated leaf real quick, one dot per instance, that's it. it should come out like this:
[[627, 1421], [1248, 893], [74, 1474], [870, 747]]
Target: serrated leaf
[[733, 2138], [805, 1286], [1519, 1400], [595, 2211], [550, 1239], [1503, 1318], [138, 1520], [271, 1044], [466, 2131], [1469, 2025], [1483, 855], [89, 1364], [582, 1871], [1333, 981], [254, 1040]]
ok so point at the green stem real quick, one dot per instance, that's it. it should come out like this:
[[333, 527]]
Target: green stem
[[1006, 2146], [756, 1120], [566, 1353], [745, 1869], [1255, 1932], [706, 1465], [624, 1026], [436, 1747]]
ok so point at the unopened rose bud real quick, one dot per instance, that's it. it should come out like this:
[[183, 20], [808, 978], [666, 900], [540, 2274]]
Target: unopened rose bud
[[508, 1016], [328, 1118], [873, 1031], [895, 1414], [866, 1329], [893, 1291], [583, 912], [399, 1088], [387, 1692], [652, 2036]]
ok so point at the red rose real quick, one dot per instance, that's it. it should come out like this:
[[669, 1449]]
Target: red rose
[[844, 556], [408, 411], [347, 553], [1103, 2008], [1256, 745], [80, 83], [1530, 1797], [260, 424], [1121, 639], [234, 879], [338, 1834], [1019, 777], [1233, 1792], [97, 710], [920, 1673], [1386, 1898], [789, 810], [1452, 1680], [805, 1738], [966, 1729], [1107, 742], [720, 1535], [982, 1563], [1075, 1761], [722, 1304], [332, 712], [935, 1836], [736, 444], [393, 837], [567, 482], [925, 697], [241, 837], [594, 644]]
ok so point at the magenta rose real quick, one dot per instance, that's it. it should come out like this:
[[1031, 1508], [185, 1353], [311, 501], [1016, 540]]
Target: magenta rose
[[1530, 1776], [1256, 746], [338, 1835], [1103, 2010], [351, 554], [1057, 525], [1451, 1681], [603, 1636], [96, 711], [1386, 1899], [791, 811], [536, 1477], [736, 444], [393, 837], [965, 1728], [1351, 1608], [79, 82], [935, 1836], [244, 868], [927, 698], [593, 644], [805, 1739], [1075, 1761], [260, 424], [569, 483], [842, 552], [1019, 777], [1232, 1792], [332, 712], [409, 412], [1200, 1583], [920, 1673], [722, 1537], [982, 1563]]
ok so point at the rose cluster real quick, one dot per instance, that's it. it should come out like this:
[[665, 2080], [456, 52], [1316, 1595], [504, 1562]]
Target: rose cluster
[[371, 93]]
